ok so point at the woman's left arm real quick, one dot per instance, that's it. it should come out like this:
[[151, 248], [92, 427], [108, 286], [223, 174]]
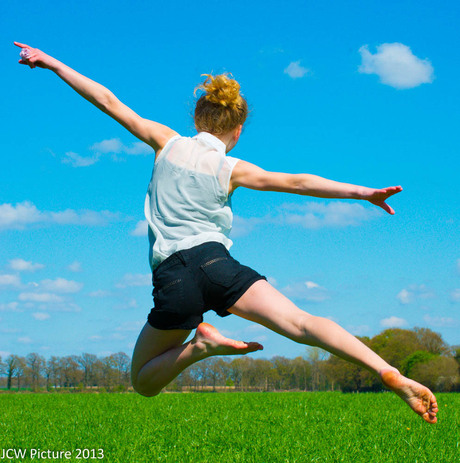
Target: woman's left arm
[[153, 133], [251, 176]]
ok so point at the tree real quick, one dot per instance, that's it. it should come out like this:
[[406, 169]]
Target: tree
[[20, 366], [419, 356], [121, 363], [69, 371], [395, 344], [431, 341], [87, 363], [11, 364], [302, 372], [439, 374], [35, 364]]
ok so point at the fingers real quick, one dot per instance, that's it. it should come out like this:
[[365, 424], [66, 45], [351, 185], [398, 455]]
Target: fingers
[[387, 208], [392, 190], [22, 45]]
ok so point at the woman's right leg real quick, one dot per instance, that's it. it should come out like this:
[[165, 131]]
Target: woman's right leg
[[263, 304]]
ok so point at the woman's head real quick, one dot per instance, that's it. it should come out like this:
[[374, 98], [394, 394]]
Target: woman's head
[[221, 108]]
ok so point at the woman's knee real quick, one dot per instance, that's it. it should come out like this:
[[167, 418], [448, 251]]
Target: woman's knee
[[307, 327], [141, 387], [144, 391]]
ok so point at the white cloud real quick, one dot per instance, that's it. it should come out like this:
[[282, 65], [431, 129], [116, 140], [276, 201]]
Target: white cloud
[[99, 293], [455, 295], [396, 66], [414, 293], [242, 226], [4, 354], [393, 322], [296, 71], [40, 297], [21, 265], [95, 338], [25, 340], [360, 330], [61, 285], [310, 215], [41, 316], [404, 296], [447, 322], [135, 280], [9, 307], [141, 228], [75, 160], [311, 284], [113, 146], [9, 280], [272, 281], [23, 214], [307, 291], [75, 267], [135, 326], [333, 214]]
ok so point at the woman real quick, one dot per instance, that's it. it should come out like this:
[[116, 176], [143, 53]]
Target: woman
[[189, 214]]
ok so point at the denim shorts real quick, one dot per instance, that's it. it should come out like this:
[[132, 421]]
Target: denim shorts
[[193, 281]]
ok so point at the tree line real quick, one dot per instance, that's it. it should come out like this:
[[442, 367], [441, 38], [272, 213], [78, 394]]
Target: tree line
[[420, 354]]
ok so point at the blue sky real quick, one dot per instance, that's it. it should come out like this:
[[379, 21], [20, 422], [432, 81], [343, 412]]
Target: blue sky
[[359, 92]]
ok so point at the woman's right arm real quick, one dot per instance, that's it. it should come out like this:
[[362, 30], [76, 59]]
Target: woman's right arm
[[153, 133]]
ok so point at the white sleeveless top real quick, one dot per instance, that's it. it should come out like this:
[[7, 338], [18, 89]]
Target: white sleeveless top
[[187, 201]]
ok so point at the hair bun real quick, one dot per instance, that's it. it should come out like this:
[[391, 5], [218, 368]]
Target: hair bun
[[221, 89]]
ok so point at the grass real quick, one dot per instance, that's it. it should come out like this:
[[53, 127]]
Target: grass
[[234, 427]]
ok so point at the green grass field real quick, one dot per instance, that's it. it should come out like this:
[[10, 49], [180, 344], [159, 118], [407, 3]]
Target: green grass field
[[234, 427]]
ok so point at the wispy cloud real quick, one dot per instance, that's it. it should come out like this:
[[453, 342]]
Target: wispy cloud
[[40, 297], [113, 146], [243, 226], [447, 322], [141, 228], [396, 66], [9, 307], [60, 285], [307, 291], [22, 215], [75, 267], [75, 160], [138, 279], [332, 214], [414, 293], [393, 322], [455, 295], [21, 265], [41, 316], [8, 281], [296, 71], [311, 215]]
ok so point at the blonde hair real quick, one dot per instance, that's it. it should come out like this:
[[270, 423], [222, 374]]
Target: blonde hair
[[221, 108]]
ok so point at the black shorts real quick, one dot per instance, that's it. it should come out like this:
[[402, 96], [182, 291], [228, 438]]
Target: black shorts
[[193, 281]]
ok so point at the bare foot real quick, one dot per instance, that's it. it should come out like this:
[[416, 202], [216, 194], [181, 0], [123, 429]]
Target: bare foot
[[417, 396], [211, 342]]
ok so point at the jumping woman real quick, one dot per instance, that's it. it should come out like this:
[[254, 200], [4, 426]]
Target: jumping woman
[[188, 210]]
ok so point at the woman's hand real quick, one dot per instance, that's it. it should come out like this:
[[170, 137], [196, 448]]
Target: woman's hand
[[36, 57], [378, 197]]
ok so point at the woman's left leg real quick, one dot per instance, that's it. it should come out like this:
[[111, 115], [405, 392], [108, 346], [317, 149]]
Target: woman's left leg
[[160, 355], [263, 304]]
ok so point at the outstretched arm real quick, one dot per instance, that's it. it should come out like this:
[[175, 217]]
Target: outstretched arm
[[150, 132], [250, 176]]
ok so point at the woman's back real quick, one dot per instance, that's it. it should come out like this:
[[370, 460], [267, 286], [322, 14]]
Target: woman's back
[[187, 202]]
